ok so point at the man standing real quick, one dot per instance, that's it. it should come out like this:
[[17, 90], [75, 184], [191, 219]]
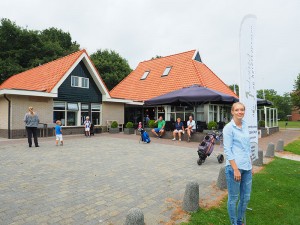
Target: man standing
[[191, 127], [159, 131]]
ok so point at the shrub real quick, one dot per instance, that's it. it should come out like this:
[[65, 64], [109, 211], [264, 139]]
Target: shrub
[[114, 124], [212, 125], [261, 123], [152, 124], [129, 125]]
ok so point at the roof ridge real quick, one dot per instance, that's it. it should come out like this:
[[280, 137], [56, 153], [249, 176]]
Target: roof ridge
[[220, 80], [169, 55]]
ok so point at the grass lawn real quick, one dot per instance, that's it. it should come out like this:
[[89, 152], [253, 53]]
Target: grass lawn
[[293, 147], [291, 124], [275, 198]]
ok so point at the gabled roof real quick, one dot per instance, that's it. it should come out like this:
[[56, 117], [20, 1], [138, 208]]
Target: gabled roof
[[187, 69], [48, 77]]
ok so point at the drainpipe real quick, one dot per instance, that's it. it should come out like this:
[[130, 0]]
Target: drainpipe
[[9, 107]]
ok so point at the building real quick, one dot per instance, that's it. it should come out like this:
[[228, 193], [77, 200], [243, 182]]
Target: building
[[68, 89], [159, 76], [295, 114]]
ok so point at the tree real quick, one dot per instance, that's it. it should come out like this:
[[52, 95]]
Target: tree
[[236, 87], [295, 95], [111, 66], [282, 103], [22, 49]]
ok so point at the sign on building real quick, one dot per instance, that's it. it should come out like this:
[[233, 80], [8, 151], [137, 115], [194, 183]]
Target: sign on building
[[247, 78]]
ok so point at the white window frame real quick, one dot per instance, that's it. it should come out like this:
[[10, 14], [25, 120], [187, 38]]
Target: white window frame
[[145, 75], [85, 81], [73, 83], [81, 82], [166, 71]]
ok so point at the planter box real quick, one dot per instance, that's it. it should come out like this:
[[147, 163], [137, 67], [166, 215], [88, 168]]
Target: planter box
[[114, 130], [128, 130]]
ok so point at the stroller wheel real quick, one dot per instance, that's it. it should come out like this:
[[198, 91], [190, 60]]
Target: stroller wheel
[[199, 161], [220, 158]]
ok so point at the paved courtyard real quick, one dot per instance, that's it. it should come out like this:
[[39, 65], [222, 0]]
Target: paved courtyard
[[97, 180]]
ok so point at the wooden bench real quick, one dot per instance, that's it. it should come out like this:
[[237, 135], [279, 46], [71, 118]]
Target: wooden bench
[[109, 122]]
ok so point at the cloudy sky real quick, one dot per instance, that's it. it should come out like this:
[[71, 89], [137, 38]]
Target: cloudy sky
[[141, 29]]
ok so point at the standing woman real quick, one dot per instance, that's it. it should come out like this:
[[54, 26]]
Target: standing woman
[[238, 164], [31, 120]]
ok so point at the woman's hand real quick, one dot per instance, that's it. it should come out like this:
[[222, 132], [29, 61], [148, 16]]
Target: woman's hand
[[237, 175]]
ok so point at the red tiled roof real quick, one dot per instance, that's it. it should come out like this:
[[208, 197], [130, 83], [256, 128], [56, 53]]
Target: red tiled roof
[[44, 77], [185, 72]]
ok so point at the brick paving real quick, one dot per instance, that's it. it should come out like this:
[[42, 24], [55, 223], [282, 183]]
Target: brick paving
[[97, 180]]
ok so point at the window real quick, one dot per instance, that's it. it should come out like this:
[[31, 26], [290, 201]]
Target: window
[[79, 82], [73, 106], [96, 111], [85, 82], [145, 75], [84, 112], [59, 112], [167, 71], [74, 81]]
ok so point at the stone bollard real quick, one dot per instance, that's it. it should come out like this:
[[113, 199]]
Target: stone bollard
[[221, 183], [280, 145], [259, 161], [191, 197], [270, 150], [135, 216]]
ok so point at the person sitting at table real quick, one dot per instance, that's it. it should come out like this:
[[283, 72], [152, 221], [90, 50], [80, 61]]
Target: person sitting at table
[[159, 131], [179, 129], [191, 127]]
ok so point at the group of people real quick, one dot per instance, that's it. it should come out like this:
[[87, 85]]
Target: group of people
[[178, 129], [31, 120], [237, 149]]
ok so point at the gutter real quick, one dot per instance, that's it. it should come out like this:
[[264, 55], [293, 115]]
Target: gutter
[[9, 107]]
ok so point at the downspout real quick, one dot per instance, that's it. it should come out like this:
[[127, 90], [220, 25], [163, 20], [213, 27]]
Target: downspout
[[9, 107]]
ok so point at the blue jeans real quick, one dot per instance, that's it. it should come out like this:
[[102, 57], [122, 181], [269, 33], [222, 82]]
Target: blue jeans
[[238, 189]]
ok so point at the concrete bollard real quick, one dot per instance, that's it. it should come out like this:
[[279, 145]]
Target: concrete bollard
[[270, 150], [221, 183], [191, 197], [135, 216], [259, 161], [280, 145]]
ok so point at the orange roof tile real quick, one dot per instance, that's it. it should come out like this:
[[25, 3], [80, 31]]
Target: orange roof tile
[[185, 72], [44, 77]]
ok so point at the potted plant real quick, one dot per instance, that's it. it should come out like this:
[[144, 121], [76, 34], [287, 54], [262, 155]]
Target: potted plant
[[212, 125], [261, 124], [114, 128], [151, 125], [129, 128]]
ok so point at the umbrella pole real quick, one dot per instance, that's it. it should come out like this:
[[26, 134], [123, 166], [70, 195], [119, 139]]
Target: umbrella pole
[[143, 117]]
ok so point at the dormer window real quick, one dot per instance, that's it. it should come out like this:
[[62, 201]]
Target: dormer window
[[167, 71], [145, 75]]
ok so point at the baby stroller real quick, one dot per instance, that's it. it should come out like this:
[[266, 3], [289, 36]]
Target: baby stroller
[[205, 149], [144, 136]]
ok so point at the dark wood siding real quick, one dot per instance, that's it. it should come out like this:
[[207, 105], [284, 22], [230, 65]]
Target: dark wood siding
[[77, 94]]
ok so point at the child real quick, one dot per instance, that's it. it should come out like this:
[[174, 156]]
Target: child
[[140, 126], [87, 126], [58, 133]]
